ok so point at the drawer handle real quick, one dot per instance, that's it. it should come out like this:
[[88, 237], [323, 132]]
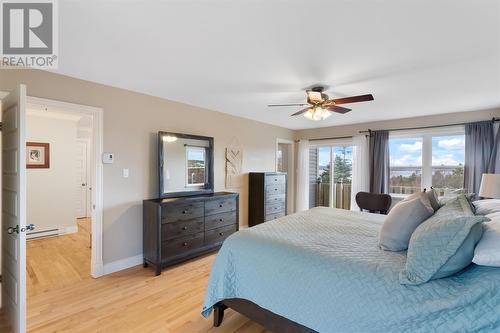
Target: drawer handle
[[221, 233], [220, 206], [275, 179], [184, 228], [275, 189], [275, 199], [184, 212], [185, 244], [220, 220]]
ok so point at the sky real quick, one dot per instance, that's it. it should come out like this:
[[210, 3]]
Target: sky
[[196, 155], [446, 150], [324, 154]]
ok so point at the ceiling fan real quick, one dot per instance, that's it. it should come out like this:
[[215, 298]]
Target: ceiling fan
[[320, 107]]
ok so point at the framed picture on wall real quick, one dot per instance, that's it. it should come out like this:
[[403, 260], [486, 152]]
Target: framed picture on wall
[[37, 155]]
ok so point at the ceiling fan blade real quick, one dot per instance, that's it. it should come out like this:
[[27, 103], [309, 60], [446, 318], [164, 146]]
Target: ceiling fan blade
[[301, 112], [337, 109], [291, 104], [353, 99]]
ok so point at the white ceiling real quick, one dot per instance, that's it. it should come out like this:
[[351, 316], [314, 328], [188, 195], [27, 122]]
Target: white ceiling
[[417, 57]]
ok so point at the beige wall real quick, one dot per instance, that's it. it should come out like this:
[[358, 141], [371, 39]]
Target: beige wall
[[131, 123], [442, 119], [51, 193]]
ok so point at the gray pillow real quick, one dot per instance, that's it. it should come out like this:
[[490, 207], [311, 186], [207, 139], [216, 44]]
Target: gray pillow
[[464, 255], [444, 244], [402, 221], [433, 199]]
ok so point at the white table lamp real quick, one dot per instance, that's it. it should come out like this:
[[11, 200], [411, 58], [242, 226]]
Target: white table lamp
[[490, 186]]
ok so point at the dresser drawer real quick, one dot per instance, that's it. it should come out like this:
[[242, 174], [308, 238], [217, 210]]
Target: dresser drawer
[[270, 217], [275, 208], [183, 228], [220, 206], [220, 220], [275, 189], [276, 199], [178, 246], [275, 179], [218, 235], [181, 212]]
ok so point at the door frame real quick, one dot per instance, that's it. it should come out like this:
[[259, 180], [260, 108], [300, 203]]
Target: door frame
[[96, 171], [88, 175]]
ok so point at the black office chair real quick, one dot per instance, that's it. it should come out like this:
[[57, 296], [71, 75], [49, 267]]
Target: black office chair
[[374, 202]]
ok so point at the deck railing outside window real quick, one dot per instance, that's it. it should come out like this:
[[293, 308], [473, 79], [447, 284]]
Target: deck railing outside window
[[341, 193]]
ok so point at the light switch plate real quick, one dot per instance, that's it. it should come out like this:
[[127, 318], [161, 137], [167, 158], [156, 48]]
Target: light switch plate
[[108, 158], [125, 173]]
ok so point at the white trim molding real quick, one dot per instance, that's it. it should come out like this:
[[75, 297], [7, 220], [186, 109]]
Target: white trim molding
[[122, 264], [97, 267]]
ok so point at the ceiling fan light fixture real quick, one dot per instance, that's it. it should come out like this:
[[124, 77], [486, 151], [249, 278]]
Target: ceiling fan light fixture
[[317, 114]]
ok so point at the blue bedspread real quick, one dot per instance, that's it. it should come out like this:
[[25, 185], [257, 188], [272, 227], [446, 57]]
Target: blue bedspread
[[323, 269]]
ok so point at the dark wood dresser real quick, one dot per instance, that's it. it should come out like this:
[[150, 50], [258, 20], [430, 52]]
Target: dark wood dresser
[[267, 196], [178, 229]]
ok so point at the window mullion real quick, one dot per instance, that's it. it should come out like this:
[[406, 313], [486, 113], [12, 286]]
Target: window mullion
[[427, 161], [333, 191]]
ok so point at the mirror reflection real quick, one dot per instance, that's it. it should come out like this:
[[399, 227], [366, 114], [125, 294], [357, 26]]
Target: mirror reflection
[[184, 163]]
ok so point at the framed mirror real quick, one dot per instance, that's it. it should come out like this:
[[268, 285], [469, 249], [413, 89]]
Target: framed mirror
[[185, 164]]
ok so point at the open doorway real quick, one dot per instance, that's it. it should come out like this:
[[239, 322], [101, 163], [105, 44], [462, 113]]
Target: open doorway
[[284, 163], [15, 107], [58, 184]]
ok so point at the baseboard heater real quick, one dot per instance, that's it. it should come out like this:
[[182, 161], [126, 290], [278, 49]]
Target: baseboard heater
[[42, 233]]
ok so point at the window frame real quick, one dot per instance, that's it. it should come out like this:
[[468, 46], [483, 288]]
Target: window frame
[[195, 148], [331, 144], [426, 135]]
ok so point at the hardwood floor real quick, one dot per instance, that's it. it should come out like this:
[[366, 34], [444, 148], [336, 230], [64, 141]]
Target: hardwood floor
[[65, 298], [56, 262], [4, 324]]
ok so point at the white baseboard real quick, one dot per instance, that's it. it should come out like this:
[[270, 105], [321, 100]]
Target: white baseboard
[[121, 264], [69, 230], [97, 270]]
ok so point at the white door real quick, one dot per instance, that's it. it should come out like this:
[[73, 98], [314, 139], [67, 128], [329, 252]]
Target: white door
[[14, 208], [82, 179]]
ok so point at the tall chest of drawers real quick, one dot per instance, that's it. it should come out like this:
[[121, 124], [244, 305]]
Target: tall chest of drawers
[[178, 229], [267, 196]]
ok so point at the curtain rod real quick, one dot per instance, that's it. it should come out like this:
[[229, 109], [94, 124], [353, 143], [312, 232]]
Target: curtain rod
[[426, 127], [330, 138], [333, 138]]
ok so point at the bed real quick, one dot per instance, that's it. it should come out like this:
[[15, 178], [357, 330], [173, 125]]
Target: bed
[[322, 271]]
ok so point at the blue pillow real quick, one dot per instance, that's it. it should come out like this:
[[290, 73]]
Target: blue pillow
[[443, 244]]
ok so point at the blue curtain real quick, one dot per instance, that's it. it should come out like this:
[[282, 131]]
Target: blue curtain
[[494, 165], [480, 154], [379, 162]]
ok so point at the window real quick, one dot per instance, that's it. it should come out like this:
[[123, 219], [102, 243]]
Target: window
[[432, 159], [331, 163], [448, 156], [195, 166], [405, 165]]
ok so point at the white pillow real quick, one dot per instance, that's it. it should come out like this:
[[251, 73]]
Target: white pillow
[[487, 206], [487, 252]]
